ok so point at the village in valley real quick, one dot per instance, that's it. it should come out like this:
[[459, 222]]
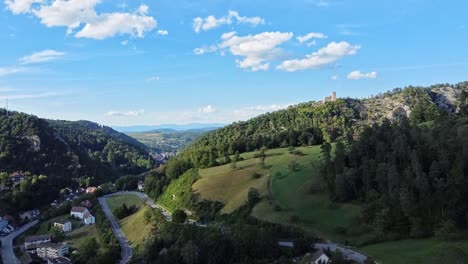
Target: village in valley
[[58, 233]]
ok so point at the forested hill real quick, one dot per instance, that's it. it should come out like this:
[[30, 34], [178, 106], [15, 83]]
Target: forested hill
[[314, 122], [67, 149]]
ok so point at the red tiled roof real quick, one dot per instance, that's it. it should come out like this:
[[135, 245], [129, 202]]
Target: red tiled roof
[[87, 215], [78, 209]]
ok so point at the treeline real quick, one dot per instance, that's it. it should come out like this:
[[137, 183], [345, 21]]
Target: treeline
[[410, 178], [33, 192], [68, 149], [237, 239]]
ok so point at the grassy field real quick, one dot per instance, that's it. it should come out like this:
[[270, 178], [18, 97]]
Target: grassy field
[[135, 228], [178, 193], [229, 185], [299, 197], [78, 236], [129, 199], [430, 251]]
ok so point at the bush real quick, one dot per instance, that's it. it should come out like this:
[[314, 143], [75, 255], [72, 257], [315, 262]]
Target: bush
[[179, 216], [256, 175], [253, 196], [124, 211], [447, 231]]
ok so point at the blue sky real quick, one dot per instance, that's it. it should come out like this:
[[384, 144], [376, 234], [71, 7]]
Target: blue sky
[[156, 62]]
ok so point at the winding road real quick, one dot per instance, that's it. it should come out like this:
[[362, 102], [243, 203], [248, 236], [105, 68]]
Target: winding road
[[8, 254], [125, 248]]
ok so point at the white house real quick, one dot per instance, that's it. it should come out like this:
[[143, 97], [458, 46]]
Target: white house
[[83, 214], [89, 219], [320, 257], [79, 212], [63, 224]]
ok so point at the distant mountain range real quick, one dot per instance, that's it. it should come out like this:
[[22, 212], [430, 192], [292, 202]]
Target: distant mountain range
[[193, 127]]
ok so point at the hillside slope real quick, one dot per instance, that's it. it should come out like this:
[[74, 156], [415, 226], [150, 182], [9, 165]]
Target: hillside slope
[[63, 148]]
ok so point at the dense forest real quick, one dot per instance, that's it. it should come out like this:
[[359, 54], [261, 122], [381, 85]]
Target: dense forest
[[410, 177], [67, 149]]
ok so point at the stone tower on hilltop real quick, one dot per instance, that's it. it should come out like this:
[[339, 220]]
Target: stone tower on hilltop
[[331, 98]]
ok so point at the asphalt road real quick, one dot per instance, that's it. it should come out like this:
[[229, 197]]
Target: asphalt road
[[8, 255], [347, 253], [150, 202], [125, 248]]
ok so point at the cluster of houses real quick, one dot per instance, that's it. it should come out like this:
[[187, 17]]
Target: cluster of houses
[[6, 221], [54, 253]]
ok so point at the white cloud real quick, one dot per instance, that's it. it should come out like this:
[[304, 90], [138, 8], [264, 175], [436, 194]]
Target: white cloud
[[112, 24], [4, 71], [329, 54], [312, 43], [319, 3], [334, 77], [358, 75], [207, 109], [153, 79], [256, 50], [72, 14], [206, 49], [211, 22], [21, 6], [41, 56], [311, 35], [124, 42], [29, 96], [128, 113], [245, 113], [163, 32]]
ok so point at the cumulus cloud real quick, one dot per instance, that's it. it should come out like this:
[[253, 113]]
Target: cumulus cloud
[[72, 14], [207, 109], [41, 56], [256, 50], [358, 75], [211, 22], [206, 49], [309, 36], [112, 24], [329, 54], [21, 6], [128, 113], [163, 32]]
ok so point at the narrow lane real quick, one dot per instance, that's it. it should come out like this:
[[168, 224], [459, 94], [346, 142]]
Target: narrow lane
[[8, 254], [125, 248]]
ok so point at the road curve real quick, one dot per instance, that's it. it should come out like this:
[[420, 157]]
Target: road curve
[[150, 202], [8, 254], [125, 248]]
